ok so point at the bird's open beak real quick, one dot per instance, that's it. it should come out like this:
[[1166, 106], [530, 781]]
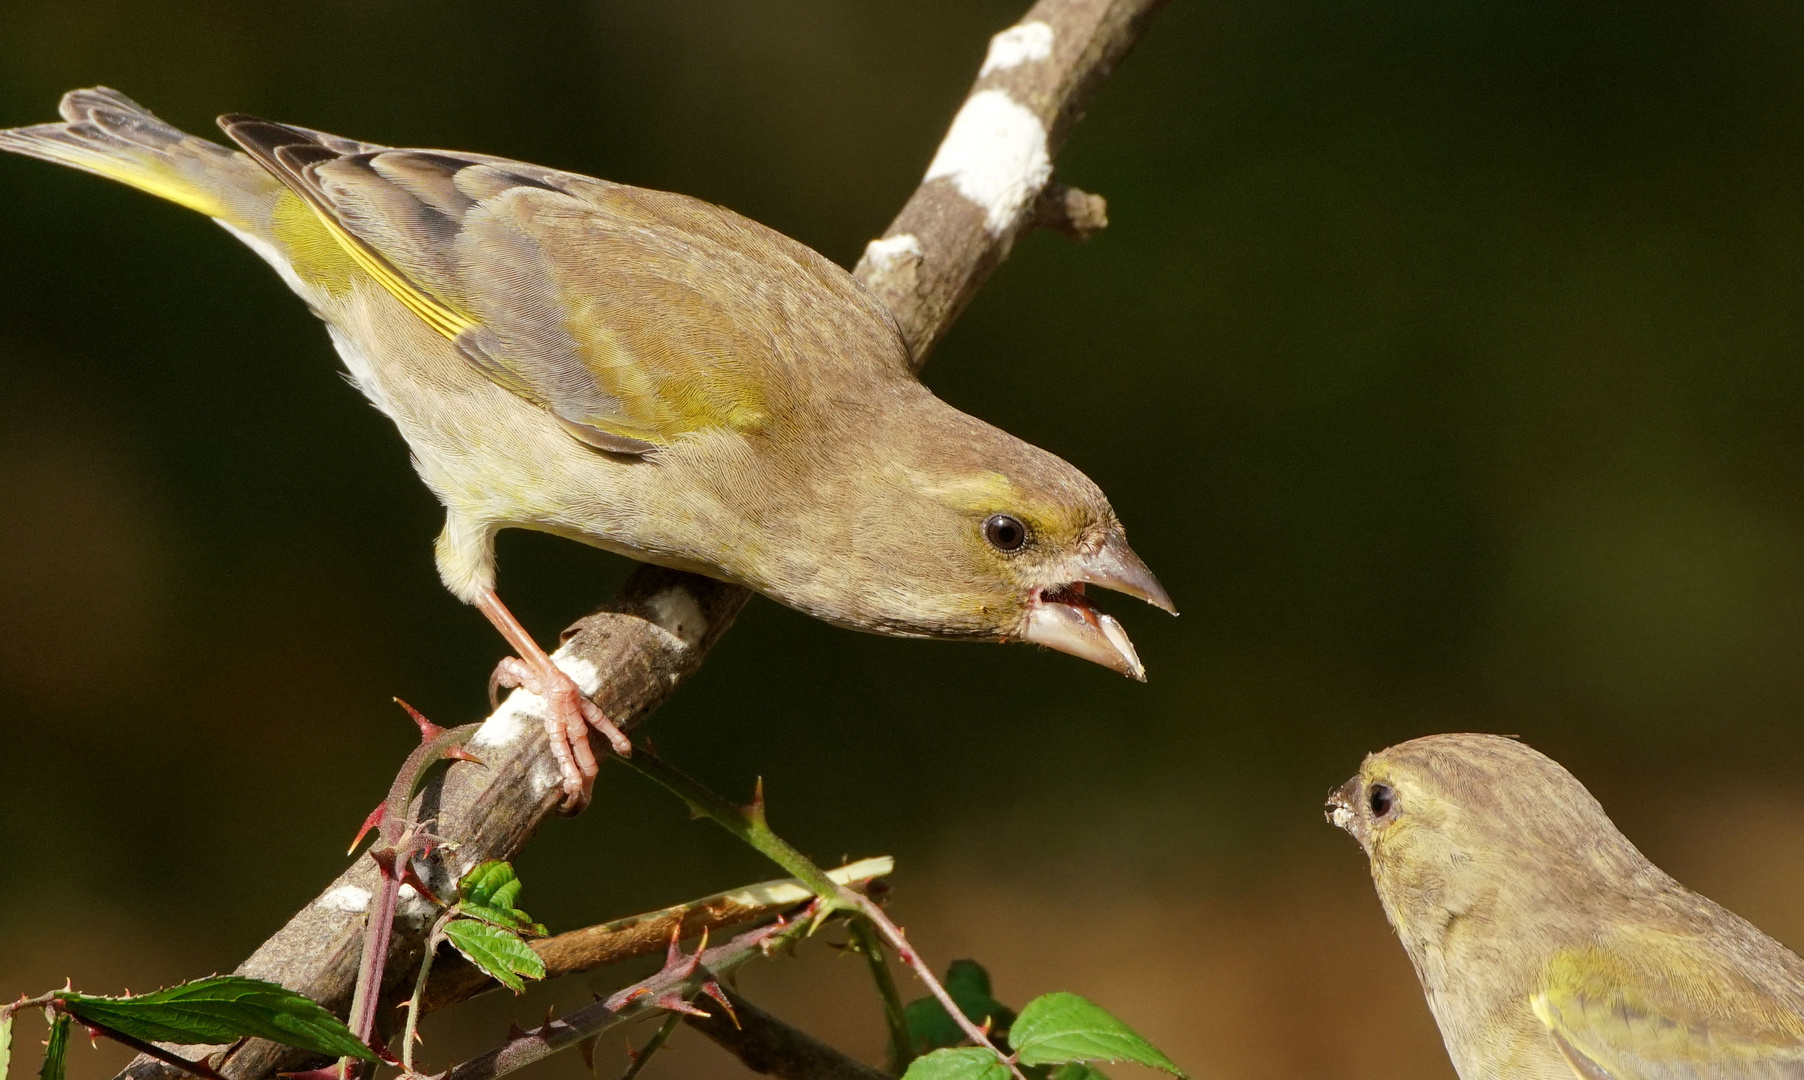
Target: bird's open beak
[[1063, 618]]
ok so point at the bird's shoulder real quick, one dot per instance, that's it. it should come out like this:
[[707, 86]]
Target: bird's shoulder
[[633, 316], [1715, 999]]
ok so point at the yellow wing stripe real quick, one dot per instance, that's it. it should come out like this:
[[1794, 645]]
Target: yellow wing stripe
[[437, 314]]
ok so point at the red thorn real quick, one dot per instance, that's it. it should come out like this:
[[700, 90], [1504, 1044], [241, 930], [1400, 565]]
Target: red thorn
[[94, 1032], [374, 821], [411, 877], [385, 861], [460, 754], [674, 952], [515, 1032], [713, 990], [674, 1002], [587, 1049], [428, 730]]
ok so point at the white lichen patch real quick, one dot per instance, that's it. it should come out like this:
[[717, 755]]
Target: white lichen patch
[[1017, 45], [885, 256], [507, 723], [994, 155], [346, 898], [675, 612], [583, 673], [413, 907]]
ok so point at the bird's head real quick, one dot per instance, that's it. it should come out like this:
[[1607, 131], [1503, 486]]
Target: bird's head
[[1481, 828], [997, 539]]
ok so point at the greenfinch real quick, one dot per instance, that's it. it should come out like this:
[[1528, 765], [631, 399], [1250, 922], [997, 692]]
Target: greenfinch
[[646, 373], [1548, 946]]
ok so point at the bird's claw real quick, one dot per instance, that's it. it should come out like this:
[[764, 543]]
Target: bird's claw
[[569, 716]]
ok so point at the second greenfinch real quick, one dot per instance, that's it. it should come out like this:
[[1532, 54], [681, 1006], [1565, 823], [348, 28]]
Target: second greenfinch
[[1548, 946], [646, 373]]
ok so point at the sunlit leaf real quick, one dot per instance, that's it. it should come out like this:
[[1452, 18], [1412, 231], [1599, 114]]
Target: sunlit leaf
[[962, 1063], [221, 1009], [1059, 1028], [6, 1043], [497, 951], [488, 893]]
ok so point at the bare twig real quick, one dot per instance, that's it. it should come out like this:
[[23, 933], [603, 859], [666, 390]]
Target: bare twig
[[455, 979], [864, 939], [767, 1045], [633, 652]]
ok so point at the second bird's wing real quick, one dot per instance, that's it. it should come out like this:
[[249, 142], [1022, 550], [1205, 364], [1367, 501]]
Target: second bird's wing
[[1665, 1017], [631, 316]]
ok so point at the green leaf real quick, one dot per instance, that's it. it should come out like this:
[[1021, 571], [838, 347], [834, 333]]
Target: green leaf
[[1059, 1028], [507, 918], [931, 1027], [497, 951], [56, 1051], [963, 1063], [488, 893], [1076, 1070], [221, 1009], [6, 1043]]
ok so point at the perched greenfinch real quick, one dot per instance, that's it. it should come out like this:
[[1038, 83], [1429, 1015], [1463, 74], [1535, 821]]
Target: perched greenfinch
[[1549, 948], [646, 373]]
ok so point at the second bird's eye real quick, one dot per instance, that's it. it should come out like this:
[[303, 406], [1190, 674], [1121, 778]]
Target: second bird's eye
[[1004, 533], [1381, 798]]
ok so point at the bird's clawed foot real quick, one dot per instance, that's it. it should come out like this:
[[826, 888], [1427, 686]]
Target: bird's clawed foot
[[568, 717]]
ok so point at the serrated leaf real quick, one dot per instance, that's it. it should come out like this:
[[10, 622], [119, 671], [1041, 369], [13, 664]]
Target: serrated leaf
[[507, 918], [6, 1043], [1058, 1028], [489, 891], [498, 952], [56, 1051], [485, 881], [931, 1027], [962, 1063], [221, 1009]]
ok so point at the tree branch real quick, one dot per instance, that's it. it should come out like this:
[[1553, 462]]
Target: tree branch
[[767, 1045], [633, 652]]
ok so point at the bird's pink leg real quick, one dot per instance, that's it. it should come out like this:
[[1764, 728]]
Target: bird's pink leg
[[569, 714]]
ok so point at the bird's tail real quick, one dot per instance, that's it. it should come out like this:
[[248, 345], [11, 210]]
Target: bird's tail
[[108, 134]]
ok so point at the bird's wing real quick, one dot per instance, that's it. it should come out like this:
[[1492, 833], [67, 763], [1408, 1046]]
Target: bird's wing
[[584, 297], [1665, 1018]]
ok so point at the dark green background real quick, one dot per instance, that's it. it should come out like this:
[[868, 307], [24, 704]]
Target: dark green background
[[1442, 357]]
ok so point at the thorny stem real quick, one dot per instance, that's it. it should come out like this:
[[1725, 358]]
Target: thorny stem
[[640, 999], [375, 952], [748, 823], [652, 1045], [864, 938], [410, 1031], [745, 822]]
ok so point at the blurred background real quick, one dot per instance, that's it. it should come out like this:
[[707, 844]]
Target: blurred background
[[1443, 358]]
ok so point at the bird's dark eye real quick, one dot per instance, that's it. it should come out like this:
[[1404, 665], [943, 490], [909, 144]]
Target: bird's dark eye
[[1005, 533], [1381, 798]]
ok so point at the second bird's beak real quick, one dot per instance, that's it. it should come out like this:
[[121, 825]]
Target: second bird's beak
[[1063, 618]]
